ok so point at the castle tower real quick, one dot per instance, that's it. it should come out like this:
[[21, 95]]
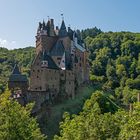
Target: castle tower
[[46, 36], [17, 80], [63, 30], [18, 84]]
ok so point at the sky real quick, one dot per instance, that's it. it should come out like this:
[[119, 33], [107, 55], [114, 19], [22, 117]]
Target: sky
[[19, 18]]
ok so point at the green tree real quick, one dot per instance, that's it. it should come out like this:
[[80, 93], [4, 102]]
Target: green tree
[[16, 122], [93, 124]]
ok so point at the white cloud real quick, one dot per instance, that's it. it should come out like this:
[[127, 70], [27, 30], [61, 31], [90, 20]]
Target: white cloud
[[3, 42], [8, 44]]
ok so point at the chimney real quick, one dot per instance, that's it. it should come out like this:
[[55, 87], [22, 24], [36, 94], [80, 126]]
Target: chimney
[[69, 29], [57, 28], [52, 23]]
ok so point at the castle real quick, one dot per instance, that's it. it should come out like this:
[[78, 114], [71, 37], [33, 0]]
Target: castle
[[59, 67]]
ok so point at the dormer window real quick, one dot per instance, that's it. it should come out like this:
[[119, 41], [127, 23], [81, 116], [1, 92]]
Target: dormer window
[[44, 63]]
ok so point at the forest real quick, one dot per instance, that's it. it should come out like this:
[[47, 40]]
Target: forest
[[111, 113]]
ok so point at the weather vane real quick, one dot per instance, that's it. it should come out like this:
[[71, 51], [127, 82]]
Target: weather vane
[[48, 17], [62, 15]]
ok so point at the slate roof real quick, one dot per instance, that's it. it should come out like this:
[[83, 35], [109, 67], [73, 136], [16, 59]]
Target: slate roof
[[58, 49], [16, 76], [16, 70], [63, 30], [51, 63]]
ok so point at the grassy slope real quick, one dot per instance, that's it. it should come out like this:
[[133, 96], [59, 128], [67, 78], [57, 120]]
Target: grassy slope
[[50, 125]]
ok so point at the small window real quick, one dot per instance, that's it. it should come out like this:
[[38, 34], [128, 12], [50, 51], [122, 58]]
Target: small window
[[33, 70], [37, 76], [38, 70], [62, 74], [58, 58]]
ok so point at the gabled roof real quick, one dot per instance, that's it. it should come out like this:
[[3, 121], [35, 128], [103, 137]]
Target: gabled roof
[[51, 63], [58, 49], [63, 30]]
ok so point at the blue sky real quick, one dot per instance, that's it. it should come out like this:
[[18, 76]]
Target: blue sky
[[19, 18]]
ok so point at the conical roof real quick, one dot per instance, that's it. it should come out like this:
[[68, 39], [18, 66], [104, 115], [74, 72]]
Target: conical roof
[[63, 30], [16, 76]]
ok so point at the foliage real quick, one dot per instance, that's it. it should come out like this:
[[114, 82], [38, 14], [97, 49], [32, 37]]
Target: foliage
[[50, 125], [92, 32], [16, 122], [8, 58], [93, 124], [115, 62]]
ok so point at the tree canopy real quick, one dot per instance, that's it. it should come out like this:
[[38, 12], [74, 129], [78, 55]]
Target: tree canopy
[[16, 122], [95, 124]]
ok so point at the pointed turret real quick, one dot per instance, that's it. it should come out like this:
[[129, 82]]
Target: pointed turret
[[40, 25], [39, 28], [43, 25], [48, 27], [63, 30], [43, 30], [52, 33]]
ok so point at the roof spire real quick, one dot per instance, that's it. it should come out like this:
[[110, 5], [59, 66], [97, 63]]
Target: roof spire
[[63, 30], [43, 24], [62, 16]]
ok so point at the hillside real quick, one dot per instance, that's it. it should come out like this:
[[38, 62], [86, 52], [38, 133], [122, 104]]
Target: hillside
[[115, 62], [114, 59], [8, 58]]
